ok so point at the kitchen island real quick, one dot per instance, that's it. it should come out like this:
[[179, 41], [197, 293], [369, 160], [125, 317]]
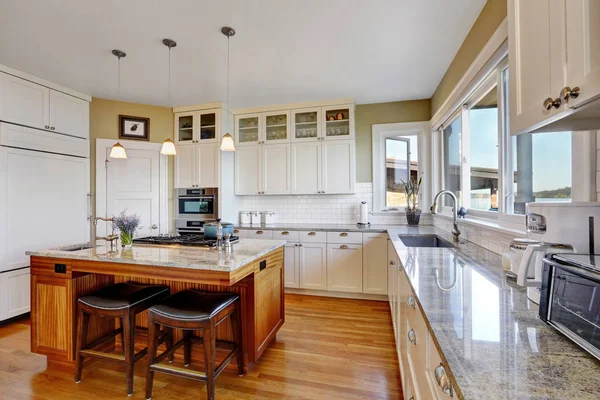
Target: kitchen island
[[60, 276]]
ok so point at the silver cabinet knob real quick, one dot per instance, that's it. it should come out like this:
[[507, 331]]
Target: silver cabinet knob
[[550, 103], [442, 380], [411, 302], [51, 128], [567, 93], [412, 336], [47, 126]]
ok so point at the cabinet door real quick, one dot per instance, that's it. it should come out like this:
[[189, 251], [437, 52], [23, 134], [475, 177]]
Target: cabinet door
[[23, 102], [15, 286], [208, 127], [306, 124], [276, 166], [375, 263], [277, 127], [69, 115], [248, 129], [344, 268], [186, 125], [537, 59], [338, 122], [583, 49], [185, 166], [338, 167], [306, 168], [313, 266], [268, 288], [207, 165], [248, 170], [292, 265]]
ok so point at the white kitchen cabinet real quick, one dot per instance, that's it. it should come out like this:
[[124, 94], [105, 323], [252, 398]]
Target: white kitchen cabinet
[[197, 126], [338, 174], [262, 128], [248, 170], [276, 165], [375, 263], [69, 115], [197, 166], [15, 288], [344, 268], [345, 237], [24, 102], [41, 140], [306, 124], [291, 256], [184, 166], [260, 234], [313, 266], [306, 168], [338, 122]]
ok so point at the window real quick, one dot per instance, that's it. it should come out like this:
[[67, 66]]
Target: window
[[452, 157], [401, 158]]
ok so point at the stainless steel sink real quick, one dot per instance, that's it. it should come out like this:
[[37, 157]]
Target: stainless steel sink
[[77, 247], [424, 241]]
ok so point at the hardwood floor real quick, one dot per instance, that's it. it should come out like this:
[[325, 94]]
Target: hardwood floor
[[328, 348]]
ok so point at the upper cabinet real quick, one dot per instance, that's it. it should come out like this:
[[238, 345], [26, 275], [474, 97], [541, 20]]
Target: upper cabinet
[[554, 56], [196, 127], [338, 122], [27, 103], [306, 124], [262, 128]]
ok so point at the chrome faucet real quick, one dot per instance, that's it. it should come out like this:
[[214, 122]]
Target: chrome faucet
[[433, 209], [112, 238]]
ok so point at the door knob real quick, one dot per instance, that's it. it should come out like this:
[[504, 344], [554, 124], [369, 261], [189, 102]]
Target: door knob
[[567, 93], [550, 103]]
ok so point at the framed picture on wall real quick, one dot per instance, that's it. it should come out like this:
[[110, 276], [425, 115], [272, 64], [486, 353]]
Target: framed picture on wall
[[136, 128]]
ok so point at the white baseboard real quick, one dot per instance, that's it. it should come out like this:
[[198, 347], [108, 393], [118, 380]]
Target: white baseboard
[[343, 295]]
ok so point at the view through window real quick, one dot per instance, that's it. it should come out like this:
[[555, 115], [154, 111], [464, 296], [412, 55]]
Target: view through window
[[452, 157], [401, 164]]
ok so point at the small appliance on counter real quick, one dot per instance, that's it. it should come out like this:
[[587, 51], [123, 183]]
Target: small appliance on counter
[[363, 218], [512, 260], [268, 217], [245, 217], [559, 228], [255, 218], [570, 300]]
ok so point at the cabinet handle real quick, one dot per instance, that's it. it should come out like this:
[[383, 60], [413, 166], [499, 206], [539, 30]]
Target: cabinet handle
[[343, 234], [236, 231], [285, 233], [412, 336], [411, 302], [259, 232], [442, 380], [52, 128], [47, 126], [300, 245], [550, 103], [344, 247], [312, 233], [392, 263], [567, 93]]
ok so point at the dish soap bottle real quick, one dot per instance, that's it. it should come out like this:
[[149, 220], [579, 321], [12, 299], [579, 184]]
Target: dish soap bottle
[[219, 234]]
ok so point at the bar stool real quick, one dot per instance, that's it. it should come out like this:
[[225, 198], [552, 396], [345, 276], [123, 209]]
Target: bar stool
[[123, 301], [191, 310]]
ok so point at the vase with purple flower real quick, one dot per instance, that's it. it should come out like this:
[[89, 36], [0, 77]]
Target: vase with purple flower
[[127, 226]]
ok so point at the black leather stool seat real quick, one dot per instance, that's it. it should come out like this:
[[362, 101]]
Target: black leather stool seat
[[123, 295], [194, 305]]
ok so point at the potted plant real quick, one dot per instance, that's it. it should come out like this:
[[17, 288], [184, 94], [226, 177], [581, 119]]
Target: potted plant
[[411, 188], [127, 225]]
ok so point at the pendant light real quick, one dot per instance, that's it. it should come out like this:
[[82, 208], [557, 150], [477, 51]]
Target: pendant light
[[227, 143], [118, 151], [168, 147]]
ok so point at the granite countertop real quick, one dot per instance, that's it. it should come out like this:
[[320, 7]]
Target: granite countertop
[[244, 252], [319, 227], [487, 329]]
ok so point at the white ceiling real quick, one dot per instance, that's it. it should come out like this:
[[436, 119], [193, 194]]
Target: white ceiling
[[284, 51]]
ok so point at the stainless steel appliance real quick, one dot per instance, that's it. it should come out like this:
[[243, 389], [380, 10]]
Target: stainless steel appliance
[[570, 298], [197, 204], [195, 240]]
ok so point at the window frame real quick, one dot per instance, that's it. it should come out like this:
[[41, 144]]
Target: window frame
[[406, 140]]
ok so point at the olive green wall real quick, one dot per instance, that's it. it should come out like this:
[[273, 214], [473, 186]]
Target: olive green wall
[[382, 113], [104, 124], [492, 14]]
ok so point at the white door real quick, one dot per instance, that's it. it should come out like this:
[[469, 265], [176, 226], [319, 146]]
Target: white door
[[313, 266], [344, 268], [69, 115], [43, 203], [537, 58], [23, 102], [185, 166], [276, 166], [15, 288], [338, 167], [248, 170], [375, 263], [291, 260], [132, 184], [583, 49], [207, 164], [306, 168]]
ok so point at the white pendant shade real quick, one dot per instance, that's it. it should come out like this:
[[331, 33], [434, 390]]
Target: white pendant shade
[[168, 148], [118, 151], [227, 143]]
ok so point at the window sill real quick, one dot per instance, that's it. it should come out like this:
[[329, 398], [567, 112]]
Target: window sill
[[493, 225], [384, 213]]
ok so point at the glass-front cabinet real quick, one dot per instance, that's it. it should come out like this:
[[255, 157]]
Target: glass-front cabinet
[[277, 127], [338, 122], [263, 128], [248, 129], [306, 123], [196, 127]]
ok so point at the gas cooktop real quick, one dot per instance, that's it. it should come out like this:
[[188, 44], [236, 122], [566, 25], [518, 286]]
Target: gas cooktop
[[197, 240]]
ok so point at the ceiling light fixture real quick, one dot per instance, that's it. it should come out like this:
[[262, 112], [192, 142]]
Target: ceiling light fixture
[[168, 147], [227, 143], [118, 151]]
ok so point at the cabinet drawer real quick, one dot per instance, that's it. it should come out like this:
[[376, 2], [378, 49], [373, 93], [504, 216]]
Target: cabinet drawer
[[260, 234], [442, 389], [344, 237], [417, 351], [313, 237], [243, 233], [290, 236]]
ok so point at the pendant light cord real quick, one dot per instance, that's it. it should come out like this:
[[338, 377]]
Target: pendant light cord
[[119, 77], [169, 99], [228, 107]]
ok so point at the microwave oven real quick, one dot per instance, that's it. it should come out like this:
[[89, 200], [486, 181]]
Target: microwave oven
[[198, 204], [570, 298]]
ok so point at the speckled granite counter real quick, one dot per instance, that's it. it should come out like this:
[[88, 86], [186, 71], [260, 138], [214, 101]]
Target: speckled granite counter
[[487, 329], [319, 227], [244, 252]]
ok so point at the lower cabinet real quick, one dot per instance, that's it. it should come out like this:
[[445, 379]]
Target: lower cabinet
[[375, 263], [313, 266], [292, 265], [15, 288], [268, 302], [344, 268]]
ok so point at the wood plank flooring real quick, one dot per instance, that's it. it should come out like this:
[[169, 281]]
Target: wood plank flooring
[[328, 348]]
